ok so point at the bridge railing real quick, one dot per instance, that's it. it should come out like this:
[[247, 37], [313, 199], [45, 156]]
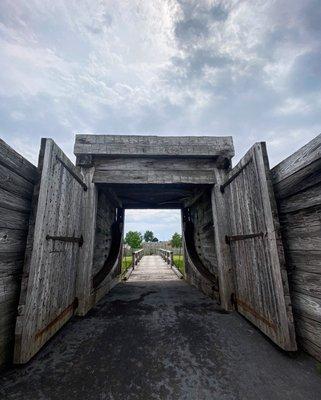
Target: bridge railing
[[167, 256], [136, 257]]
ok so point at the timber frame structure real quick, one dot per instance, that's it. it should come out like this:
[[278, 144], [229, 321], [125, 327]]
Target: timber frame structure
[[233, 247]]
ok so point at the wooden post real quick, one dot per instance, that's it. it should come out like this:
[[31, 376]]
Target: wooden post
[[223, 252], [86, 253]]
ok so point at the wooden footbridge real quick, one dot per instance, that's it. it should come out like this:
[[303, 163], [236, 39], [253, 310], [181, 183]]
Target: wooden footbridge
[[247, 231]]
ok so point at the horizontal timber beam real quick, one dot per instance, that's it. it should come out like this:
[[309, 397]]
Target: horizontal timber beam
[[154, 177], [179, 146]]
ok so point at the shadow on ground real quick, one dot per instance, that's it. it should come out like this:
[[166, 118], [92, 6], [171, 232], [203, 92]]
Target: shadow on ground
[[154, 339]]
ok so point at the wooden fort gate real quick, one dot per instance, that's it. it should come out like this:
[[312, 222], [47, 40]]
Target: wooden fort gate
[[233, 250]]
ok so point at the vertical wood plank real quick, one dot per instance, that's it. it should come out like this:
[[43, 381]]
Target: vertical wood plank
[[86, 253], [17, 179], [297, 185], [261, 286], [47, 298], [221, 228]]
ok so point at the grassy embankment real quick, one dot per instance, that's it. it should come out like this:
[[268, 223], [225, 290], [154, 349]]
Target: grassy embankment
[[126, 263], [179, 263]]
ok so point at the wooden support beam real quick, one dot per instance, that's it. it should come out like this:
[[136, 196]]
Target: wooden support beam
[[86, 252], [129, 145], [222, 249]]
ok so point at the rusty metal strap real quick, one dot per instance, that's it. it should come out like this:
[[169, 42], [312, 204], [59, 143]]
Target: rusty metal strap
[[236, 238], [246, 307], [75, 176], [71, 239], [71, 308], [236, 174]]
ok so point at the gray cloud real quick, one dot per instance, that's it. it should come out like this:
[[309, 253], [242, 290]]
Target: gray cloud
[[251, 70], [178, 67], [191, 29], [305, 74], [218, 13]]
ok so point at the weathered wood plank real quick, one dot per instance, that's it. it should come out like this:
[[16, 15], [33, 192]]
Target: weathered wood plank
[[306, 306], [13, 202], [17, 177], [302, 260], [86, 253], [300, 160], [301, 230], [16, 163], [308, 198], [47, 297], [307, 283], [299, 171], [309, 331], [262, 293], [153, 164], [154, 145], [11, 264], [154, 177], [105, 219], [202, 217], [310, 347], [14, 183], [297, 184], [12, 241], [10, 219], [221, 226]]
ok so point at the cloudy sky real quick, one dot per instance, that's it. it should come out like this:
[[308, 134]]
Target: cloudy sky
[[250, 69]]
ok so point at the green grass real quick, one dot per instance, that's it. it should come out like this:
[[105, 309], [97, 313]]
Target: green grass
[[126, 263], [179, 263]]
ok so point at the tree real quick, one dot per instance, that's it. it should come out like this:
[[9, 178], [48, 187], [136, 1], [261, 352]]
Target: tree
[[148, 236], [155, 239], [134, 239], [176, 240]]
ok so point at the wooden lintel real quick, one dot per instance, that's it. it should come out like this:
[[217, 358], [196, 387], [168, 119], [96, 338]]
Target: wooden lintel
[[131, 145]]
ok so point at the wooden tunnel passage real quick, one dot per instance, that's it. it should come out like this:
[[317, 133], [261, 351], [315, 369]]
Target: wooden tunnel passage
[[72, 221]]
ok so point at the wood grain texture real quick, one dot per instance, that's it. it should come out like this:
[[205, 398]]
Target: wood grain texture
[[309, 332], [16, 163], [155, 145], [294, 171], [297, 184], [153, 164], [15, 183], [153, 170], [17, 178], [105, 217], [86, 253], [202, 216], [47, 297], [222, 227], [261, 286], [154, 177], [307, 306], [299, 160], [200, 256]]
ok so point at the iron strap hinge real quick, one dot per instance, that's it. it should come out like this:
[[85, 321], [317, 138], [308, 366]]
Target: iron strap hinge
[[236, 238], [235, 175], [72, 239], [75, 176]]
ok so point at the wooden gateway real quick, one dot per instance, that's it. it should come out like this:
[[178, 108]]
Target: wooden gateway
[[232, 242]]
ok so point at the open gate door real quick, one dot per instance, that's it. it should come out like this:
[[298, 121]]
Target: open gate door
[[261, 286], [47, 298]]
